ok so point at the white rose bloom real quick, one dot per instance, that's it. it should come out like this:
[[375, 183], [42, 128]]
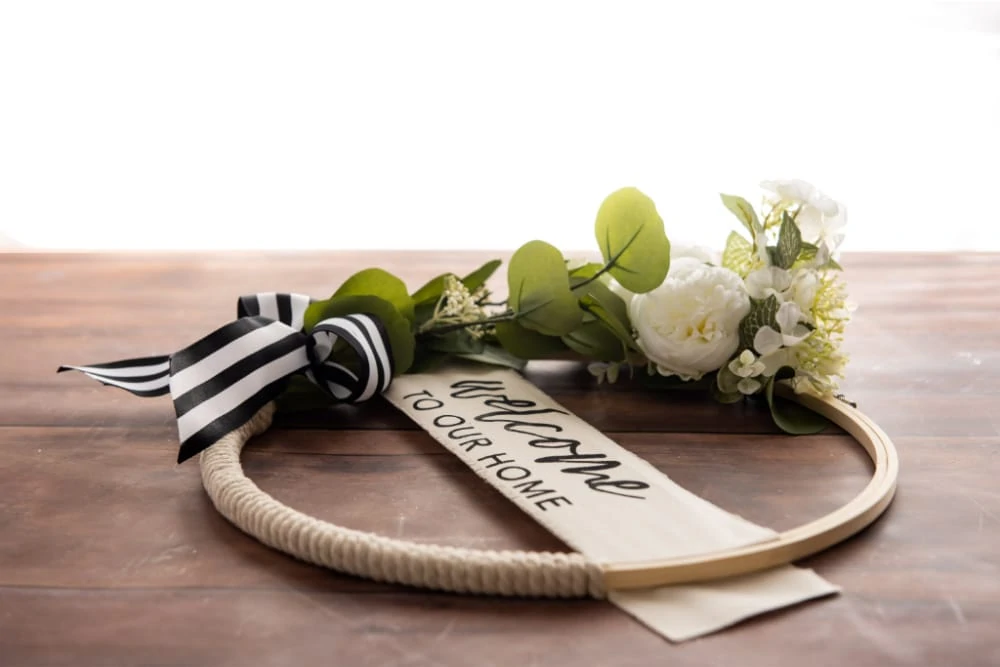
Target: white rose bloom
[[689, 325], [820, 218]]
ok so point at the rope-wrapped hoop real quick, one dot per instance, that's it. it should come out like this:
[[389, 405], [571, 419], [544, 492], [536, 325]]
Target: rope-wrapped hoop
[[521, 573], [526, 573]]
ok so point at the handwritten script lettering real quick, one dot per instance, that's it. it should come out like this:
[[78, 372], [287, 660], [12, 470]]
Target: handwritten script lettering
[[526, 418]]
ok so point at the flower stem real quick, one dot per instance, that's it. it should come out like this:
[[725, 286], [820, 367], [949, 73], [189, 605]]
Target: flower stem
[[505, 316], [604, 269]]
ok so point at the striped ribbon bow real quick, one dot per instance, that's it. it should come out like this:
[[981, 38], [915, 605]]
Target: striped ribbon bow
[[221, 381]]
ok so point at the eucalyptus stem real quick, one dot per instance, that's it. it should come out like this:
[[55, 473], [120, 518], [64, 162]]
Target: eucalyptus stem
[[505, 316], [604, 269]]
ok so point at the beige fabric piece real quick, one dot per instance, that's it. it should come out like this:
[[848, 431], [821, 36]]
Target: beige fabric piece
[[686, 611], [504, 428]]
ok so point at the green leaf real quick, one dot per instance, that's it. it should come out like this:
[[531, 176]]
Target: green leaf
[[789, 242], [431, 291], [772, 254], [762, 313], [738, 255], [610, 309], [595, 341], [726, 381], [725, 396], [300, 395], [528, 344], [539, 290], [632, 240], [788, 415], [425, 361], [588, 270], [380, 283], [831, 265], [497, 356], [453, 342], [478, 278], [808, 252], [398, 327], [742, 209]]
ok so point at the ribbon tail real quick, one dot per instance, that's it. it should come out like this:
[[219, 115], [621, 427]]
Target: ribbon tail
[[147, 376], [221, 381]]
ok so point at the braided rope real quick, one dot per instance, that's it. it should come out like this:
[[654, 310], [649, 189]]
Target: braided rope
[[513, 573]]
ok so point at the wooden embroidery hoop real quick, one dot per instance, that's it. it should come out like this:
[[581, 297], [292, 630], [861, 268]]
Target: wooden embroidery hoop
[[524, 573]]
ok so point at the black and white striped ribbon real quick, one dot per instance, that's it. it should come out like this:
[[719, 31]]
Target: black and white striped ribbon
[[221, 381]]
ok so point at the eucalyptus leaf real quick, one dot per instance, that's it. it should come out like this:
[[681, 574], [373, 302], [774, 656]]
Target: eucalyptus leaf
[[789, 242], [478, 278], [588, 270], [762, 313], [539, 290], [610, 309], [401, 337], [742, 209], [431, 291], [789, 416], [425, 361], [528, 344], [497, 356], [632, 240], [459, 341], [595, 341], [380, 283]]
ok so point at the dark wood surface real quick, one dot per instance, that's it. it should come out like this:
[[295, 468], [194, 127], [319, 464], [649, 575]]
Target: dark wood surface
[[112, 555]]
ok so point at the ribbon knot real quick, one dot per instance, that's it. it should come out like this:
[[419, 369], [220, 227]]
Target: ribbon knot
[[219, 382]]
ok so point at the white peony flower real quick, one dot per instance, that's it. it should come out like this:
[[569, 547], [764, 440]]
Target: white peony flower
[[689, 325], [698, 252], [768, 341], [677, 251], [820, 217]]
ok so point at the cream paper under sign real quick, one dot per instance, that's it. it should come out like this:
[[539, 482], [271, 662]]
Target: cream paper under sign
[[599, 498]]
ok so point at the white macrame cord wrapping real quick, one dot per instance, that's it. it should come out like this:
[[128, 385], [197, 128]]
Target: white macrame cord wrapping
[[511, 573]]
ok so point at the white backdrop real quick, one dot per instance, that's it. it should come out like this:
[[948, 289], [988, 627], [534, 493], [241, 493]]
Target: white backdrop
[[483, 125]]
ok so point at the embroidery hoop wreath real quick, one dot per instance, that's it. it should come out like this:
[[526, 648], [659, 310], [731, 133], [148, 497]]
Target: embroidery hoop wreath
[[527, 573], [545, 296], [777, 293]]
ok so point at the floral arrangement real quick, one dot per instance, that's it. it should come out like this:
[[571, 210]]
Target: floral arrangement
[[772, 308]]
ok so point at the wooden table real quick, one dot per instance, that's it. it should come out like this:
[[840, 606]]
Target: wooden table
[[110, 554]]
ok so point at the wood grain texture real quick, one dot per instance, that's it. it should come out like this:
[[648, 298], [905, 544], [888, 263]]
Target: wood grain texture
[[111, 554]]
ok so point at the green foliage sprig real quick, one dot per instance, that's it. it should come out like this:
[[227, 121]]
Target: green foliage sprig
[[553, 309], [556, 308]]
